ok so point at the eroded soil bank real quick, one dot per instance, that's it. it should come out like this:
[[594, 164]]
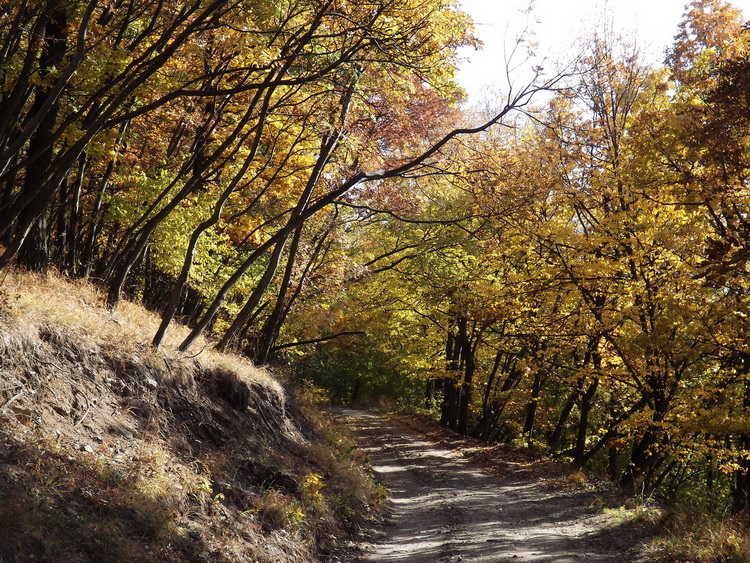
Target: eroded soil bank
[[444, 508]]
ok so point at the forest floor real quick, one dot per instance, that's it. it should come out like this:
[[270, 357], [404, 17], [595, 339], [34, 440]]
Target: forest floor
[[512, 507]]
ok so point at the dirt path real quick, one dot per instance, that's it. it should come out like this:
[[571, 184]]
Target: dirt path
[[444, 509]]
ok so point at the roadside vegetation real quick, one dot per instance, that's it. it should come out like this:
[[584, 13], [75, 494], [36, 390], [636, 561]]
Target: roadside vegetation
[[112, 451]]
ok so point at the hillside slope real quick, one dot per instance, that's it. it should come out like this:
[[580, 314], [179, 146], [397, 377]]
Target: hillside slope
[[110, 451]]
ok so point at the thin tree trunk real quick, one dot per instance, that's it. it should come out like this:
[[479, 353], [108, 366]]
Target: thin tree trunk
[[255, 297], [741, 489], [273, 324], [531, 408], [72, 258], [96, 216], [468, 354], [583, 423], [449, 413], [299, 214], [187, 264], [498, 407], [127, 258], [564, 415], [480, 428]]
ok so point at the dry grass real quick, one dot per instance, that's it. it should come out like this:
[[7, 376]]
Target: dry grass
[[77, 308], [111, 451], [681, 534]]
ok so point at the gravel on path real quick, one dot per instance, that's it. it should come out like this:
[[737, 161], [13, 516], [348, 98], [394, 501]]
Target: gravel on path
[[446, 509]]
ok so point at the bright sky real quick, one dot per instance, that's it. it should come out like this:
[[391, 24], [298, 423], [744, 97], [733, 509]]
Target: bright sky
[[557, 24]]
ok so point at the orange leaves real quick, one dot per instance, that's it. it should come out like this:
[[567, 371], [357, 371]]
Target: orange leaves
[[709, 34]]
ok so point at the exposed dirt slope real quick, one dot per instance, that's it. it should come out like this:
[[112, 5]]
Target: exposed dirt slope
[[110, 451], [445, 508]]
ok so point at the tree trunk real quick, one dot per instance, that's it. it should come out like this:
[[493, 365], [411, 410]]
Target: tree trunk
[[564, 415], [255, 297], [531, 408], [467, 354], [72, 259], [33, 253], [449, 411], [6, 202], [583, 422], [741, 488], [271, 329], [429, 393], [96, 217], [498, 406], [644, 460], [480, 428]]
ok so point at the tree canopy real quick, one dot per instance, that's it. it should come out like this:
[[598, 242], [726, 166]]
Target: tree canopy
[[300, 180]]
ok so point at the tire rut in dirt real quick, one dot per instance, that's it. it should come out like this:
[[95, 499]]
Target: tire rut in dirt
[[444, 509]]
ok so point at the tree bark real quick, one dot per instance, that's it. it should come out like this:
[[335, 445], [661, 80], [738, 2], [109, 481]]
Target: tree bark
[[449, 411], [481, 426], [268, 336], [255, 297], [33, 253], [583, 422], [741, 486], [532, 406], [468, 355], [564, 415]]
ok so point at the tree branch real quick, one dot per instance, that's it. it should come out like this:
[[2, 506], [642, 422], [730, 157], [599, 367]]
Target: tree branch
[[316, 340]]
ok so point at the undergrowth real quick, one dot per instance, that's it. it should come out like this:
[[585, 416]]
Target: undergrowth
[[681, 533]]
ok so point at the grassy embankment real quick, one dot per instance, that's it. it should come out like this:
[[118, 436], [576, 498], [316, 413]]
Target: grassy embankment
[[110, 451]]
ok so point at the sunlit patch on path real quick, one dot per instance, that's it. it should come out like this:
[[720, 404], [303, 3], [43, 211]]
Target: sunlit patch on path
[[444, 509]]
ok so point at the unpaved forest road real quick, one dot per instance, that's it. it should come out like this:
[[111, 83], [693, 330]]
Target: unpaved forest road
[[444, 509]]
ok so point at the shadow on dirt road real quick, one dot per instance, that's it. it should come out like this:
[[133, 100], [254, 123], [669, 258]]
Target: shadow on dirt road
[[444, 509]]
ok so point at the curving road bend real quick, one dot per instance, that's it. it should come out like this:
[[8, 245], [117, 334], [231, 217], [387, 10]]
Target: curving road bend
[[444, 509]]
